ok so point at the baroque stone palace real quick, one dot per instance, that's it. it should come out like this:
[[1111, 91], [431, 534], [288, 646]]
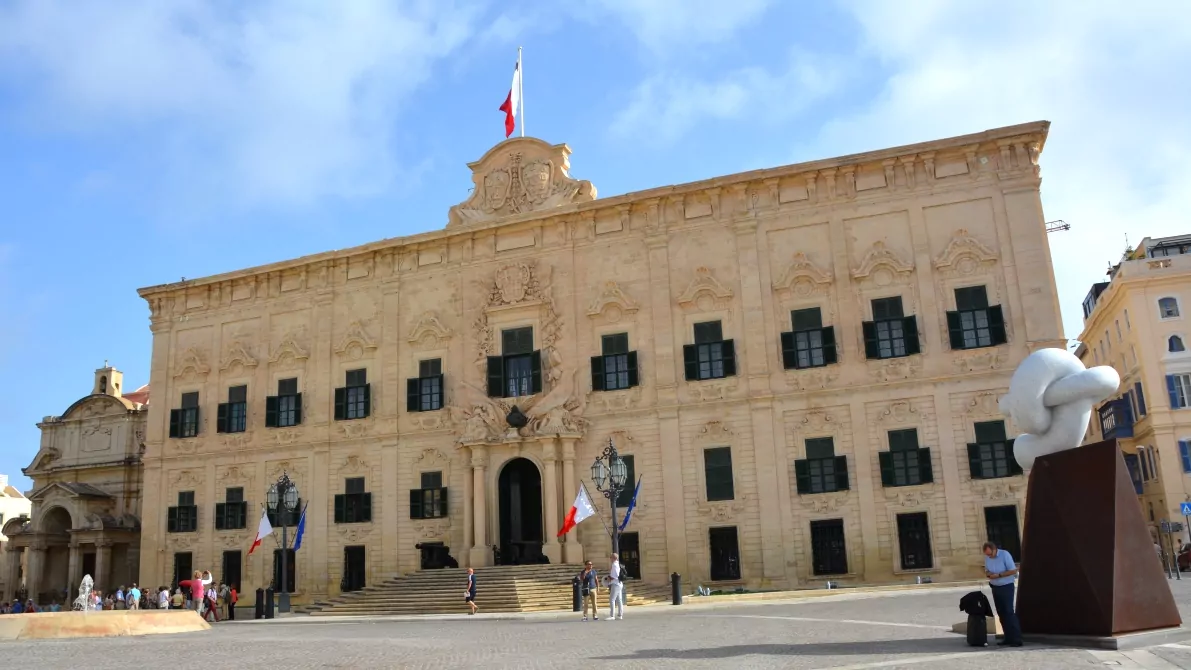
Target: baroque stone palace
[[801, 363]]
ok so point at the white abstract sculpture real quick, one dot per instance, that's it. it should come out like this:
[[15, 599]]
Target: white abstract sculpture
[[1050, 398]]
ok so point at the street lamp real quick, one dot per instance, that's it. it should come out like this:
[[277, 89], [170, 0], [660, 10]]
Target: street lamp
[[609, 473], [283, 500]]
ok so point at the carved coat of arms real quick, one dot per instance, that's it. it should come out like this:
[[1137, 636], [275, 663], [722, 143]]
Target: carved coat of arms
[[496, 189]]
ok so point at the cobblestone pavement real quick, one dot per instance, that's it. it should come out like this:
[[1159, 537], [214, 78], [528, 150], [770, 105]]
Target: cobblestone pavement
[[900, 630]]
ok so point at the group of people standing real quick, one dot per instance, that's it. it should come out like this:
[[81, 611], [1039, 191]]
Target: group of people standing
[[589, 584], [209, 601]]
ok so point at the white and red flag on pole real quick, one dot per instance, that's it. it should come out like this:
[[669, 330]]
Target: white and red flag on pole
[[581, 510], [512, 104], [263, 531]]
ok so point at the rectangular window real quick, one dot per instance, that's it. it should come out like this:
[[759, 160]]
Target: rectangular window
[[809, 344], [905, 464], [1001, 525], [975, 324], [821, 471], [284, 409], [183, 518], [1185, 455], [725, 554], [517, 341], [717, 470], [616, 367], [828, 549], [1141, 399], [711, 356], [913, 539], [630, 481], [354, 505], [890, 334], [233, 563], [991, 456], [425, 392], [354, 401], [232, 514], [232, 416], [429, 501], [517, 371], [291, 570], [1178, 387], [184, 422]]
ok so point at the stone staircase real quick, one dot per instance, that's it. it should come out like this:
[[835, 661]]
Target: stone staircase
[[522, 588]]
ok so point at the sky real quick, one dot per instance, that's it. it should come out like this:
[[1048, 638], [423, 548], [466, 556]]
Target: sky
[[143, 141]]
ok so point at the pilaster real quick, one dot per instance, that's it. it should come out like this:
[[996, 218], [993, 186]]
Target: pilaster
[[673, 501], [551, 547], [481, 554], [572, 551]]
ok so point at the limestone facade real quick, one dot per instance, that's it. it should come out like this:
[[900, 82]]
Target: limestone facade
[[1137, 323], [717, 426], [86, 497]]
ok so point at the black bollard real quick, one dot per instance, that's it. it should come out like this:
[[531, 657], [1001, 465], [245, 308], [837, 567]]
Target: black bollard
[[675, 588], [269, 603], [576, 598], [258, 612]]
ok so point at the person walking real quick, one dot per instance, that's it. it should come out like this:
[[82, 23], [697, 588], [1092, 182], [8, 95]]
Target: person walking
[[1002, 574], [588, 584], [615, 590], [469, 596]]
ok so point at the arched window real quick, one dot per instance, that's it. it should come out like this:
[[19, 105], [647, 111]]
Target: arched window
[[1175, 344], [1168, 308]]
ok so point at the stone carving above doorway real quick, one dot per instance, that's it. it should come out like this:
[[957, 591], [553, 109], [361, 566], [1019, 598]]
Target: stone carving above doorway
[[520, 175]]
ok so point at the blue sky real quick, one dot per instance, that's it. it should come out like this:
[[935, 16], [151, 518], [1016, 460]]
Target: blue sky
[[146, 140]]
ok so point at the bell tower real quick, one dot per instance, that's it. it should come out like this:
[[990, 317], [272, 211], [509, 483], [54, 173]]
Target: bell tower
[[108, 381]]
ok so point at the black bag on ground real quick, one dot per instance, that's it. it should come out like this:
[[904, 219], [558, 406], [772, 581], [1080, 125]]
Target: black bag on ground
[[977, 631]]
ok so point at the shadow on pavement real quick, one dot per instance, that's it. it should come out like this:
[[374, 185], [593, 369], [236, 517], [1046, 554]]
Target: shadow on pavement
[[933, 645]]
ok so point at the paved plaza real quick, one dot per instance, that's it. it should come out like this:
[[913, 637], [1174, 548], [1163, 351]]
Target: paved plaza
[[892, 630]]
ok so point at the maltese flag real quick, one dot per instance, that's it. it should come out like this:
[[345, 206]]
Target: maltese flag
[[512, 104], [581, 510], [264, 530]]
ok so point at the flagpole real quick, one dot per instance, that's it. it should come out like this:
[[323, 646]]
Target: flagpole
[[521, 90], [599, 516]]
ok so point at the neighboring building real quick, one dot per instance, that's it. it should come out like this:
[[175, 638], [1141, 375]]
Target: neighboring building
[[13, 505], [802, 363], [1137, 323], [86, 496]]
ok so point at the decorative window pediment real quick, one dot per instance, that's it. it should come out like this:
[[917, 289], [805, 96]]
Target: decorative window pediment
[[191, 360], [964, 254], [882, 263], [612, 297], [237, 353], [355, 342], [803, 277], [704, 285], [289, 347], [429, 328]]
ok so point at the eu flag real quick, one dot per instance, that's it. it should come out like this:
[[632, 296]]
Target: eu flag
[[301, 529], [632, 505]]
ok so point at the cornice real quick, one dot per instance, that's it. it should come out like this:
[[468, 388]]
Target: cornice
[[1032, 135]]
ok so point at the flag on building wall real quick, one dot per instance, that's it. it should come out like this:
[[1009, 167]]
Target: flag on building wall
[[512, 104], [581, 510], [301, 529], [628, 513], [264, 530]]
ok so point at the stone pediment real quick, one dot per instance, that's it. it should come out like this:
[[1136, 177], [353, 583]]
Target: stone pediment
[[520, 175]]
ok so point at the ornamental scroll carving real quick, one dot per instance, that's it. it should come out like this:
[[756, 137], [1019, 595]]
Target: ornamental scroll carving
[[192, 361], [517, 176], [883, 266], [803, 278], [965, 255], [236, 353], [288, 350], [612, 302], [356, 342], [429, 330], [705, 291]]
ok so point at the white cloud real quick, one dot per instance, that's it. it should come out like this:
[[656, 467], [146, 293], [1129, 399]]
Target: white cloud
[[659, 25], [665, 107], [1111, 79], [273, 102]]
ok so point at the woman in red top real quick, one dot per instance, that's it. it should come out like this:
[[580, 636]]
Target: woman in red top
[[197, 587]]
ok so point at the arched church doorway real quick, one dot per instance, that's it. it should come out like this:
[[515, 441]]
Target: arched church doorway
[[53, 576], [520, 490]]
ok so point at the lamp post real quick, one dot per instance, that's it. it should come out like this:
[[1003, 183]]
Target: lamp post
[[283, 500], [609, 474]]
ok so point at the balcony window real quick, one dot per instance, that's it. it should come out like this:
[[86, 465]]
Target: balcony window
[[517, 371]]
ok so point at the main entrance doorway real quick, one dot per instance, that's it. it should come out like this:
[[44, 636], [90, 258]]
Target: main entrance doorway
[[354, 568], [520, 513]]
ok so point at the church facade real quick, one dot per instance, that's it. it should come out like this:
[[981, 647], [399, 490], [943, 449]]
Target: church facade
[[800, 365]]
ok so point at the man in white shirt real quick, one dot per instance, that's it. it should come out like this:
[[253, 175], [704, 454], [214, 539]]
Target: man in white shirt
[[615, 590]]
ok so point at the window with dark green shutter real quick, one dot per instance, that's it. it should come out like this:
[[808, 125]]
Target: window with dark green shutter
[[430, 500], [615, 368], [891, 334], [711, 356], [905, 464], [829, 553], [424, 393], [183, 518], [809, 344], [630, 481], [232, 513], [354, 401], [974, 324], [184, 421], [517, 371], [991, 455], [354, 505], [821, 471], [290, 516], [284, 409], [717, 473], [232, 416]]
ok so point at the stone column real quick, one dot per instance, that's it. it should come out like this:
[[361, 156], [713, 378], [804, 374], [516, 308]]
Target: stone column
[[481, 554], [34, 571], [103, 559], [551, 546], [72, 570], [12, 575], [572, 551]]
